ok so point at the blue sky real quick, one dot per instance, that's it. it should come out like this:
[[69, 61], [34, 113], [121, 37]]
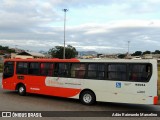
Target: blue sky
[[104, 26]]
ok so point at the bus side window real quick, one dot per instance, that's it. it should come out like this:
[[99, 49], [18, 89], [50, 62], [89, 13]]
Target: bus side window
[[134, 76], [22, 68], [46, 69], [56, 70], [101, 71], [92, 71], [50, 70], [61, 70], [96, 71], [78, 70], [117, 72], [34, 68], [146, 72], [139, 72]]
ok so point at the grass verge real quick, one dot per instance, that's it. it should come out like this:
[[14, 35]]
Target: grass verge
[[1, 67], [159, 80]]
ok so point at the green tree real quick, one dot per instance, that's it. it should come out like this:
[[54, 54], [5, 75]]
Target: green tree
[[57, 52], [6, 49], [122, 56], [156, 52], [137, 53], [147, 52]]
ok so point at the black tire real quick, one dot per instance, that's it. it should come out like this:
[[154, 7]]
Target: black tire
[[22, 90], [88, 98]]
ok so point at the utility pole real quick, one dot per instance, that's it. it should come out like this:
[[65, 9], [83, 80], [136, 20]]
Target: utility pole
[[16, 49], [128, 47], [65, 10]]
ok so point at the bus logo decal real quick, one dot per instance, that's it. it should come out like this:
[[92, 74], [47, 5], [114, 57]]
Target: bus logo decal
[[118, 85]]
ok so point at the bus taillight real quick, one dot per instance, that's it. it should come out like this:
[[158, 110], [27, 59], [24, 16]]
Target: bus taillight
[[155, 100]]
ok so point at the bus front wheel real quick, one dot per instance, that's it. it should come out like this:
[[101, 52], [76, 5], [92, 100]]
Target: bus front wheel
[[88, 98], [22, 90]]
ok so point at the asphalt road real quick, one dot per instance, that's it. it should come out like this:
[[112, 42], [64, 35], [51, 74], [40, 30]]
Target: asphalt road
[[11, 101]]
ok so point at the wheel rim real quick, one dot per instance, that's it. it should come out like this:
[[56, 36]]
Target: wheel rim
[[87, 98], [21, 89]]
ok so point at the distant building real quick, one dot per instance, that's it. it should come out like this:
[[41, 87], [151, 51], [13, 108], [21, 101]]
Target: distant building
[[136, 57], [47, 55], [25, 55], [3, 51], [151, 56], [1, 58], [87, 53], [147, 56], [17, 50], [128, 56], [108, 56], [156, 56], [13, 55], [111, 56]]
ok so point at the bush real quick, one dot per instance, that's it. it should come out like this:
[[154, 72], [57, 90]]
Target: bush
[[1, 67], [159, 80]]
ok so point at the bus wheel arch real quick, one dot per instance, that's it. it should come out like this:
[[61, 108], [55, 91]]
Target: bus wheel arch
[[21, 88], [87, 97]]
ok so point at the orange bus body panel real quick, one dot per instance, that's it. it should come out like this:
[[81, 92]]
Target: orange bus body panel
[[32, 82]]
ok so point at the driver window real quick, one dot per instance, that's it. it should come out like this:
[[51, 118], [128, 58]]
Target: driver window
[[8, 69]]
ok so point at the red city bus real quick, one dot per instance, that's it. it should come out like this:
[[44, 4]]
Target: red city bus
[[123, 81]]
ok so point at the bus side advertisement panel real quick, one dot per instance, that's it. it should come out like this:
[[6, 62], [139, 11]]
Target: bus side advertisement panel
[[64, 87]]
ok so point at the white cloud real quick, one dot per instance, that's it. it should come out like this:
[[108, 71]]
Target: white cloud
[[34, 45], [98, 47], [96, 31], [140, 33], [134, 23], [10, 3], [104, 25]]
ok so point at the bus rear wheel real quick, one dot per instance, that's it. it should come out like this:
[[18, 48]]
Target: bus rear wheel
[[88, 98], [22, 90]]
